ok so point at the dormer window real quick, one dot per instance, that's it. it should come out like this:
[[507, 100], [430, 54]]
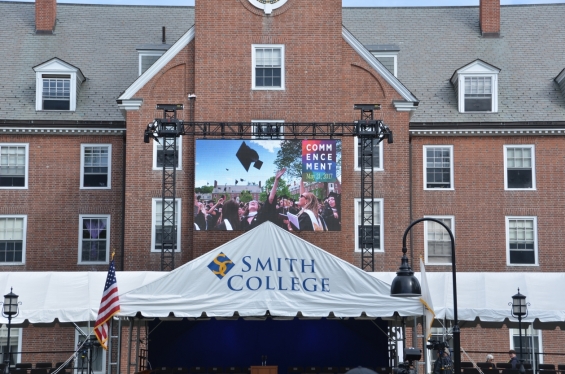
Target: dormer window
[[387, 54], [477, 87], [57, 85], [149, 54]]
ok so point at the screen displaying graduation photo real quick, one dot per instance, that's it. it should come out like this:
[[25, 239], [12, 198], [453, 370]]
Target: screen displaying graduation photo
[[295, 184]]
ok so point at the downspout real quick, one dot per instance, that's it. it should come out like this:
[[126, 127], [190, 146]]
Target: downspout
[[122, 261]]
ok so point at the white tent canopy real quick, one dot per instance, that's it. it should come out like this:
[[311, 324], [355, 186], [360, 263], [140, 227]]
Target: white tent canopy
[[47, 297], [267, 270], [483, 297]]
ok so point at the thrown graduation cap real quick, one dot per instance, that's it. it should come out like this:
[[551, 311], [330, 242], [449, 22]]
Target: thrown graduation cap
[[247, 156]]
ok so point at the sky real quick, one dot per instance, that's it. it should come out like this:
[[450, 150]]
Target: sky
[[348, 3]]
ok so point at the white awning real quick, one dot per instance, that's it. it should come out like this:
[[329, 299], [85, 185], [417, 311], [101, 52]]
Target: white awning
[[47, 297], [484, 297]]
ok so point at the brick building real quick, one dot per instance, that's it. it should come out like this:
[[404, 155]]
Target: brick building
[[475, 98]]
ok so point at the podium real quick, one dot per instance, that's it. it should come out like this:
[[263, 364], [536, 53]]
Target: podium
[[264, 370]]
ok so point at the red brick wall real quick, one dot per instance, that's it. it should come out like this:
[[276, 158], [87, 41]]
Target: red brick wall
[[480, 204], [324, 79], [54, 200]]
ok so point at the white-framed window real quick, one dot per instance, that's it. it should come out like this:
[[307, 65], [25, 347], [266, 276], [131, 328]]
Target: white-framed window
[[57, 85], [477, 87], [268, 66], [14, 165], [148, 58], [521, 241], [438, 167], [531, 343], [437, 242], [94, 239], [15, 344], [156, 223], [519, 167], [389, 61], [96, 166], [377, 155], [91, 352], [13, 231], [267, 129], [159, 153], [363, 235]]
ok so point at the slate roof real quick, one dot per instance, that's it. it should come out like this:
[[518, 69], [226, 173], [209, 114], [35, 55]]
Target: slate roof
[[436, 41], [100, 40]]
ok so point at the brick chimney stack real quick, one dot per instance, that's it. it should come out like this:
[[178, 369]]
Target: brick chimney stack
[[489, 18], [45, 16]]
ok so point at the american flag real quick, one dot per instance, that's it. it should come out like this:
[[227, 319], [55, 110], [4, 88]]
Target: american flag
[[109, 306]]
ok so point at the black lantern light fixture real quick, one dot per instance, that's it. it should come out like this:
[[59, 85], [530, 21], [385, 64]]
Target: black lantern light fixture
[[9, 310], [520, 310], [405, 284]]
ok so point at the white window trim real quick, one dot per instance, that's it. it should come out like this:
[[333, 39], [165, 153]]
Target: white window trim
[[179, 153], [494, 87], [388, 54], [90, 329], [451, 166], [16, 331], [356, 156], [357, 214], [426, 225], [81, 217], [147, 53], [154, 222], [56, 67], [533, 147], [82, 147], [266, 137], [530, 331], [26, 145], [507, 224], [254, 47], [24, 239]]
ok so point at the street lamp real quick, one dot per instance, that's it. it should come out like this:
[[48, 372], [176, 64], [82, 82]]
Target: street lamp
[[519, 310], [9, 310], [405, 284]]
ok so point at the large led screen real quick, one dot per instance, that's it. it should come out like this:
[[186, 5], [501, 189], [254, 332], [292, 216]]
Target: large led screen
[[295, 184]]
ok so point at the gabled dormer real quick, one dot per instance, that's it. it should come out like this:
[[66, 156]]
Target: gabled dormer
[[57, 85], [476, 85]]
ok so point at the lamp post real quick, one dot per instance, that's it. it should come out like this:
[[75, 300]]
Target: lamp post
[[519, 310], [9, 310], [405, 284]]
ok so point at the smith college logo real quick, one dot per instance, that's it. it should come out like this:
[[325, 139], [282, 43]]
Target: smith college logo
[[221, 265]]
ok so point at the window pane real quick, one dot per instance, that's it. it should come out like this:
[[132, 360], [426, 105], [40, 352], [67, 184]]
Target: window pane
[[438, 167], [165, 235], [94, 239], [439, 241], [11, 239], [56, 94], [521, 241], [375, 154], [12, 166], [96, 159], [519, 164], [369, 235]]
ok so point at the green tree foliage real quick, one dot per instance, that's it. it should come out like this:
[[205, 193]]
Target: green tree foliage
[[245, 196], [290, 157], [204, 189], [282, 189]]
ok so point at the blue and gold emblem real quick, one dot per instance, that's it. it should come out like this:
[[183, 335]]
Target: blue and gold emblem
[[221, 265]]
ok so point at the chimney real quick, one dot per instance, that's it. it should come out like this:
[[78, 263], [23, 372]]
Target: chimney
[[45, 16], [489, 18]]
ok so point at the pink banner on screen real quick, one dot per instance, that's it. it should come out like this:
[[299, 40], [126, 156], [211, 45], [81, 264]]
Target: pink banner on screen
[[319, 161]]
